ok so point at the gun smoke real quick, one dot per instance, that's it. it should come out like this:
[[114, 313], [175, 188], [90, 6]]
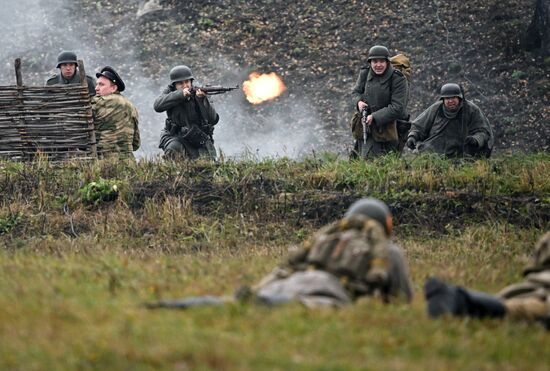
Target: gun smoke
[[38, 30]]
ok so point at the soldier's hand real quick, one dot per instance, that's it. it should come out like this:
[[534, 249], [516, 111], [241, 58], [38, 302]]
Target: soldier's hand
[[361, 105], [186, 92], [200, 93], [411, 142], [472, 142], [370, 119]]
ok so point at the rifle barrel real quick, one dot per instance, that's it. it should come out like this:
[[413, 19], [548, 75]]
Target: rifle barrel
[[215, 89]]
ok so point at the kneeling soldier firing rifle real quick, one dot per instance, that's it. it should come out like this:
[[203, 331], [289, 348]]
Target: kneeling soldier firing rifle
[[191, 118]]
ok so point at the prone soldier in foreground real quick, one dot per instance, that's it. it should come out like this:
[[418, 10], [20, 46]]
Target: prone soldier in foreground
[[528, 300], [346, 260], [68, 64]]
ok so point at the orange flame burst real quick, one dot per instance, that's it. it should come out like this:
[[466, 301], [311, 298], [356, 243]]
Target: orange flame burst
[[262, 87]]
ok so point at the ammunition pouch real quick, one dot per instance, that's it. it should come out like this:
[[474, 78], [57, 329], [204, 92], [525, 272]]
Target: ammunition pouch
[[194, 136]]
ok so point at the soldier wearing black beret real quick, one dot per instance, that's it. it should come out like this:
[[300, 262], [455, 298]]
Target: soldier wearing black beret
[[115, 117]]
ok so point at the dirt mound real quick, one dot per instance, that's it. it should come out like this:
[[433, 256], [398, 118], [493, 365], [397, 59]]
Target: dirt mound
[[265, 201]]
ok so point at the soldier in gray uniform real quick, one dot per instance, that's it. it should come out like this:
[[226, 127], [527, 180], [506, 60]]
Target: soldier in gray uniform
[[453, 127], [191, 118], [344, 261], [528, 300], [382, 92], [68, 72]]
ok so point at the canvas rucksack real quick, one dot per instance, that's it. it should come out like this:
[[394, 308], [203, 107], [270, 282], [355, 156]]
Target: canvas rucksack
[[353, 248], [402, 63]]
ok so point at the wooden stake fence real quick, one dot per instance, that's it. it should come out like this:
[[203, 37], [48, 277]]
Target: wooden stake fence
[[55, 121]]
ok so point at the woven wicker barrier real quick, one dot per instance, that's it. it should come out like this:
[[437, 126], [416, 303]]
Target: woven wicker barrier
[[54, 121]]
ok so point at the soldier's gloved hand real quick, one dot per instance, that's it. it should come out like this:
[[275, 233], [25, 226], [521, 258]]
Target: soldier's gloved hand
[[411, 142], [472, 142]]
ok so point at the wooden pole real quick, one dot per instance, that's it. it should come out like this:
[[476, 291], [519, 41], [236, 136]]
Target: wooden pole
[[18, 76], [84, 82], [23, 135], [82, 72]]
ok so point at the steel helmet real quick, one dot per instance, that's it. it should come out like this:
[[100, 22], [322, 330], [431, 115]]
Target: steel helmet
[[378, 52], [180, 73], [66, 57], [374, 209], [451, 90]]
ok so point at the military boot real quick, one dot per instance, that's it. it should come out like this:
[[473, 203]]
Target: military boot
[[444, 298]]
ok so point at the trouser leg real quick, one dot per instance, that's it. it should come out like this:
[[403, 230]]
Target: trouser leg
[[174, 149]]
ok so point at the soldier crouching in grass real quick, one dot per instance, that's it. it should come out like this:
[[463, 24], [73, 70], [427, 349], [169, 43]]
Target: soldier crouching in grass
[[453, 126], [344, 261], [115, 117], [528, 300], [191, 118]]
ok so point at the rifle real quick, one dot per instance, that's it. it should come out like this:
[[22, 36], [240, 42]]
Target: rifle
[[212, 89], [366, 128]]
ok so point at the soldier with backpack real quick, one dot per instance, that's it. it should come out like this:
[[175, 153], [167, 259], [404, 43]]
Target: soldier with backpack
[[381, 91], [348, 259]]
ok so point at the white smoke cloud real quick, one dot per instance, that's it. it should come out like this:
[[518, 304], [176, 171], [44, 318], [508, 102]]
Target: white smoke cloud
[[38, 30]]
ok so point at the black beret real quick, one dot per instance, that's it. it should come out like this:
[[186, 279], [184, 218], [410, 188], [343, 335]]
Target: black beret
[[110, 74]]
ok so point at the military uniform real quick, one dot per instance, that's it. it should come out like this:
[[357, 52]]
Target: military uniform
[[58, 79], [116, 125], [440, 131], [387, 97], [528, 300], [189, 126], [342, 262]]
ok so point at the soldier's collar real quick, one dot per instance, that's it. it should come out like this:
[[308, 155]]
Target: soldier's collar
[[385, 76]]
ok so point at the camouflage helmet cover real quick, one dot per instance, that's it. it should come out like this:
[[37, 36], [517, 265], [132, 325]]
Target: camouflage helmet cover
[[180, 73], [66, 57], [451, 90], [372, 208], [378, 52]]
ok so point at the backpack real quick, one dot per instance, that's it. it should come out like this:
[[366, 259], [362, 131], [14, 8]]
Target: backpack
[[353, 248], [402, 63]]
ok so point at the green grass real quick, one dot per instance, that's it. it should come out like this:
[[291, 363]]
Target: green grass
[[75, 300]]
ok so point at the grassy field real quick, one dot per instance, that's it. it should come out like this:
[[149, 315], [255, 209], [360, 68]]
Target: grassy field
[[77, 266]]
